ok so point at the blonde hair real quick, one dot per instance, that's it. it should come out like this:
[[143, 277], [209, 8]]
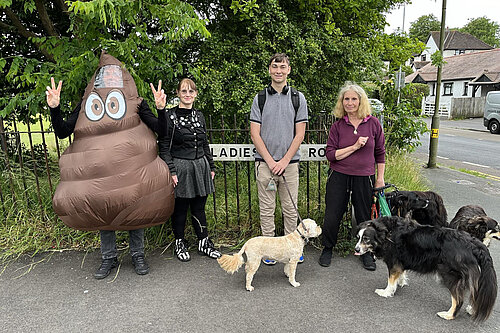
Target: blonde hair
[[364, 109], [188, 82]]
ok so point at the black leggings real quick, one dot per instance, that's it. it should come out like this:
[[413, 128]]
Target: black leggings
[[198, 217], [338, 189]]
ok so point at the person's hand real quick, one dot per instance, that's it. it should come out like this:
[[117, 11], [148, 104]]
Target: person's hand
[[279, 167], [361, 142], [160, 97], [212, 173], [175, 180], [53, 94]]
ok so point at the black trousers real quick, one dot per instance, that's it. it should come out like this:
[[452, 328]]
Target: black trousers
[[198, 217], [339, 188]]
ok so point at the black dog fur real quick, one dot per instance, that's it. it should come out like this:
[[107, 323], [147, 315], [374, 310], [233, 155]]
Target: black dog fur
[[473, 219], [424, 207], [462, 262]]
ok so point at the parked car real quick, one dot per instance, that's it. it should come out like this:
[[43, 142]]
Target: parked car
[[492, 112]]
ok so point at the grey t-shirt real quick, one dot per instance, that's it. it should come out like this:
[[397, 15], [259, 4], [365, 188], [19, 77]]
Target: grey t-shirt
[[277, 122]]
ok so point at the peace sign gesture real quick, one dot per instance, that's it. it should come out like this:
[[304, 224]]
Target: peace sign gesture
[[160, 97], [53, 94]]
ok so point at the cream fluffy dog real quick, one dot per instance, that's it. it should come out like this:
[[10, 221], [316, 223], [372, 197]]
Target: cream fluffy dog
[[286, 249]]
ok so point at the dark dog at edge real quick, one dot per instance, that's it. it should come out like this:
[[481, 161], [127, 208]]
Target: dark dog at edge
[[473, 219], [462, 262], [424, 207]]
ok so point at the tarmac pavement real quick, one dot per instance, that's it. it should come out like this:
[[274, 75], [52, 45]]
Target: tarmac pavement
[[55, 292]]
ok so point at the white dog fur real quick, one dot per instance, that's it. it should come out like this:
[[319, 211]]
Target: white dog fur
[[286, 249]]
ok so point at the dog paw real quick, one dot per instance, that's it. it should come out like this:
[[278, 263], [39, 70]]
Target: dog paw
[[469, 310], [384, 293], [403, 282], [295, 284], [445, 315], [250, 288]]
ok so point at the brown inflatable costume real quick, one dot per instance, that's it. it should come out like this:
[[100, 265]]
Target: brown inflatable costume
[[111, 175]]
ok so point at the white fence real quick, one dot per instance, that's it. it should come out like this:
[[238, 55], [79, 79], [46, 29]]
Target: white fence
[[458, 107], [429, 107]]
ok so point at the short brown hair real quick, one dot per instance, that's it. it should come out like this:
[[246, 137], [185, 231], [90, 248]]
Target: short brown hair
[[279, 57]]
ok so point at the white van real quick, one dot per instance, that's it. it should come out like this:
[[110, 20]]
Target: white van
[[492, 112]]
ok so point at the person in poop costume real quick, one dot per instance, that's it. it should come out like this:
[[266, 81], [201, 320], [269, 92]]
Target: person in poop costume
[[111, 175]]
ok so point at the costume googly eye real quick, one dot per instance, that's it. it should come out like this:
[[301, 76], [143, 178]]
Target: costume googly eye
[[115, 104], [94, 107]]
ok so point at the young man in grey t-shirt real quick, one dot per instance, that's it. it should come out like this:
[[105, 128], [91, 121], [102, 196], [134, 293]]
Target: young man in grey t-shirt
[[277, 133]]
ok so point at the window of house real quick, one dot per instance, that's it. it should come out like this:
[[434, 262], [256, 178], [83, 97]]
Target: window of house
[[457, 52], [424, 57], [448, 89], [466, 89], [433, 89]]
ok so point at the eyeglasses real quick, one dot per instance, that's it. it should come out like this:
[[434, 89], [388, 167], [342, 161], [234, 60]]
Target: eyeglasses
[[185, 92]]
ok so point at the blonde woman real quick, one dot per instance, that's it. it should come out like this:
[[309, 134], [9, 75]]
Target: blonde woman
[[355, 149]]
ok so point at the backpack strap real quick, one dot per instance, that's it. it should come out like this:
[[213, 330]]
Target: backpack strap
[[295, 100], [261, 100]]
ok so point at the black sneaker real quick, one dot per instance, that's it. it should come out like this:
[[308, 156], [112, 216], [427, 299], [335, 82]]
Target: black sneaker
[[140, 265], [206, 247], [325, 259], [181, 250], [368, 261], [106, 266]]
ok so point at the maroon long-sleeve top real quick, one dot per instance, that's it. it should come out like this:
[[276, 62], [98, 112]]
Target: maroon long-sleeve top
[[362, 161]]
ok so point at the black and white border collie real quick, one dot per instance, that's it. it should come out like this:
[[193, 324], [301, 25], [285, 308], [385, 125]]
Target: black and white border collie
[[473, 219], [462, 262]]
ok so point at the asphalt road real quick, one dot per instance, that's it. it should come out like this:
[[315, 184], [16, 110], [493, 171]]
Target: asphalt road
[[55, 292], [465, 144]]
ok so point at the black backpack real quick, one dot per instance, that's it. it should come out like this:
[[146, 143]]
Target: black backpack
[[294, 95]]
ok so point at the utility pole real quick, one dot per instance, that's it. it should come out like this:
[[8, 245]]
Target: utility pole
[[399, 76], [433, 144]]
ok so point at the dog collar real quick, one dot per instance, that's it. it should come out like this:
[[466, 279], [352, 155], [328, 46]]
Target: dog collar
[[303, 237]]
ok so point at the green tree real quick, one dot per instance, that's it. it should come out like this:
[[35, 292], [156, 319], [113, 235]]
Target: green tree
[[64, 39], [223, 44], [484, 29], [422, 27], [328, 43], [397, 49]]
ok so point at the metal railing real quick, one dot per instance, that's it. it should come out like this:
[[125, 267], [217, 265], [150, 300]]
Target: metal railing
[[29, 170]]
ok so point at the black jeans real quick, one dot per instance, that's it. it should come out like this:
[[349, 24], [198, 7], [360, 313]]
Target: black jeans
[[198, 217], [108, 243], [338, 190]]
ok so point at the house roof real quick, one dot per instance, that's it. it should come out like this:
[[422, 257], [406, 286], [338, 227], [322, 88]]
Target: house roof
[[420, 64], [486, 78], [469, 66], [456, 40]]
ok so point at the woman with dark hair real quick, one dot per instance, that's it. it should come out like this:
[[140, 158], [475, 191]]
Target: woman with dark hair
[[355, 148], [183, 145]]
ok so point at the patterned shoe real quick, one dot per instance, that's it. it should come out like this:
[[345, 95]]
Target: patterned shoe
[[181, 250], [206, 247]]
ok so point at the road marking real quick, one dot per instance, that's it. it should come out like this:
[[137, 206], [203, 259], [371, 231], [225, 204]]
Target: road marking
[[444, 158], [474, 164]]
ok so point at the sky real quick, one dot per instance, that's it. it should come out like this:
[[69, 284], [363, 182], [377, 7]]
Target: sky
[[457, 12]]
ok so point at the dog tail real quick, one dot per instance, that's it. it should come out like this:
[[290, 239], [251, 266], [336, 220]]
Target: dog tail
[[483, 289], [231, 263]]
